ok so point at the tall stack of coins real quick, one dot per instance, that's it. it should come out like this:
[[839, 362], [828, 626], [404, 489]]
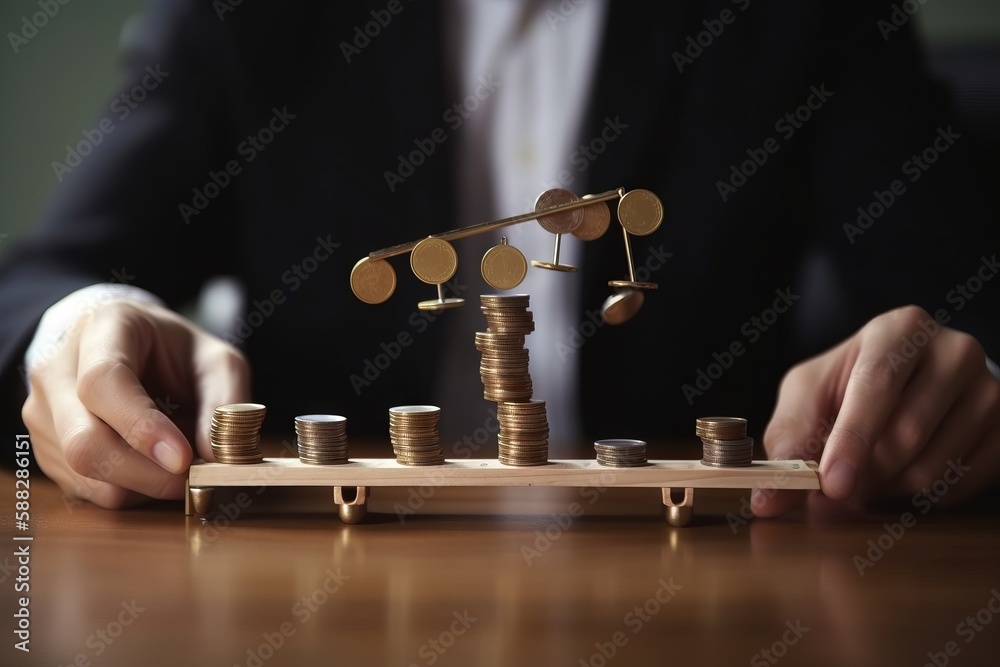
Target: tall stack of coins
[[621, 453], [504, 367], [321, 439], [524, 430], [235, 433], [724, 442], [524, 433], [414, 433]]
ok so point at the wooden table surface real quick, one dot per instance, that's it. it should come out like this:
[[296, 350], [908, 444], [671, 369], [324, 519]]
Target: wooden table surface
[[501, 576]]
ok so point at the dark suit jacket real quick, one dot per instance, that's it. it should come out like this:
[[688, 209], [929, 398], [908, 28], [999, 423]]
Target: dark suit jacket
[[695, 114]]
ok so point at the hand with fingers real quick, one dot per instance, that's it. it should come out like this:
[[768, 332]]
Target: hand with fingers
[[97, 409], [910, 408]]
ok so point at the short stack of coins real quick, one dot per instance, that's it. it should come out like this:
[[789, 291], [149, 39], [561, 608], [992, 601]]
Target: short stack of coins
[[235, 433], [415, 436], [321, 439], [524, 433], [724, 442], [523, 439], [621, 453]]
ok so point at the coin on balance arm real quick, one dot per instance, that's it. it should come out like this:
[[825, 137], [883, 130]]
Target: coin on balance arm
[[640, 212], [563, 222], [596, 220], [373, 280], [434, 261], [503, 266], [560, 223]]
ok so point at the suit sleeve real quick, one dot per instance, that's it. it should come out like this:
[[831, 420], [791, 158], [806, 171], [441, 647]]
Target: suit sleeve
[[899, 201], [116, 215]]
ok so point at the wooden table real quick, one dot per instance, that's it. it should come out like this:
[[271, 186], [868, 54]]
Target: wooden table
[[500, 576]]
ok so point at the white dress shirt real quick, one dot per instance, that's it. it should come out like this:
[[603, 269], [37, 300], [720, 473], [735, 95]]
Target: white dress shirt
[[513, 147]]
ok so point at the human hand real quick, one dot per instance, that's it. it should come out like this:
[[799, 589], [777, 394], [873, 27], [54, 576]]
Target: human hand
[[92, 411], [911, 403]]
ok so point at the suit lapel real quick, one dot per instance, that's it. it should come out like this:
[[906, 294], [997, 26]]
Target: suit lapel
[[635, 101]]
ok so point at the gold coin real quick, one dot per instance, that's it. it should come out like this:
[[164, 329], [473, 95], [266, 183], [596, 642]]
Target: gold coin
[[241, 407], [558, 223], [596, 220], [440, 304], [373, 280], [721, 428], [505, 300], [622, 306], [566, 268], [417, 411], [434, 261], [640, 212], [503, 266], [632, 284]]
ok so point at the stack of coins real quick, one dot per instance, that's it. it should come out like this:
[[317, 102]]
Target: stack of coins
[[321, 439], [504, 367], [621, 453], [507, 313], [235, 433], [524, 433], [724, 442], [413, 431], [524, 428]]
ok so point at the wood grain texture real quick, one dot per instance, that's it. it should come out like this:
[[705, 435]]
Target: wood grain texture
[[490, 472], [551, 575]]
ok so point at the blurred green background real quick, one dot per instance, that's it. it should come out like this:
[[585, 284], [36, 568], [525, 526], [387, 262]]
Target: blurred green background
[[60, 83]]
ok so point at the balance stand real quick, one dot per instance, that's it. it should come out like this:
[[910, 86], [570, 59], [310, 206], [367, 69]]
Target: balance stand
[[352, 482]]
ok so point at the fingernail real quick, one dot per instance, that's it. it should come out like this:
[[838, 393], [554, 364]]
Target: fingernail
[[842, 477], [168, 457]]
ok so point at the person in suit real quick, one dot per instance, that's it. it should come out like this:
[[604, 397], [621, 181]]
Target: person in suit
[[821, 216]]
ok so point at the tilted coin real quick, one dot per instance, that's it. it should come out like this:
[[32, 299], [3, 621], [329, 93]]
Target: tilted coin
[[373, 280], [563, 222], [640, 212], [565, 268], [632, 284], [434, 261], [503, 266], [596, 220], [622, 306], [440, 304]]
